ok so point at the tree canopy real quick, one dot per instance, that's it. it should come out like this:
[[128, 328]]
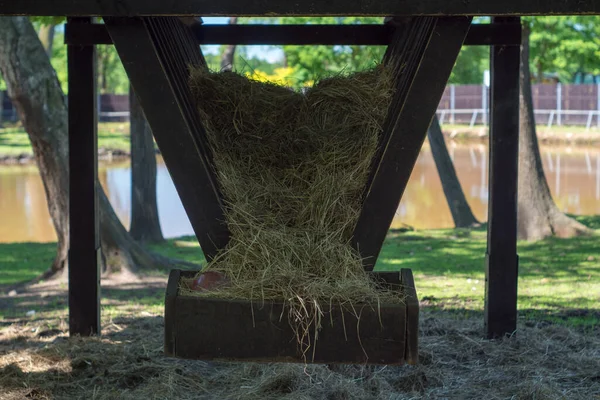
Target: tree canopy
[[564, 46], [560, 46]]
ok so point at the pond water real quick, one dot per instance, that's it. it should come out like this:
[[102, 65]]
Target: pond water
[[573, 175]]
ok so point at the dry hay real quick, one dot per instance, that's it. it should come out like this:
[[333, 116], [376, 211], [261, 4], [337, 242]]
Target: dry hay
[[293, 168], [545, 362]]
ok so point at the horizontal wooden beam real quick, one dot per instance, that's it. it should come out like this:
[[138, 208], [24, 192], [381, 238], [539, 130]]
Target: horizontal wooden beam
[[370, 35], [128, 8]]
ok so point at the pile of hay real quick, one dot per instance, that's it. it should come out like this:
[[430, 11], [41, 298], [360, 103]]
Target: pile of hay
[[543, 361], [293, 168]]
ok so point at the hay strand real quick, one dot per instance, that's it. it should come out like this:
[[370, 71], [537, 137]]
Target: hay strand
[[293, 167]]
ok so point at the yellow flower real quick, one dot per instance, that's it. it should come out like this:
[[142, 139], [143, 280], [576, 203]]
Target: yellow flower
[[281, 76]]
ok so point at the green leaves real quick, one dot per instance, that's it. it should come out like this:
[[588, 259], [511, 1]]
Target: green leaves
[[37, 21], [564, 45], [470, 65], [315, 62], [561, 45]]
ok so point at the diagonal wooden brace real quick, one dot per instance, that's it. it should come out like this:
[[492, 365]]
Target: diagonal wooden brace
[[403, 55], [412, 108], [156, 53]]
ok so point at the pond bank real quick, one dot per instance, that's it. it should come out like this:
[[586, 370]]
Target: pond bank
[[104, 154], [561, 135], [113, 140]]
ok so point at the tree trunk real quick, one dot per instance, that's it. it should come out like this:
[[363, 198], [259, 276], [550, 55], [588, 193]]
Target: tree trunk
[[33, 88], [229, 53], [459, 207], [145, 225], [36, 93], [538, 215], [119, 251], [46, 35], [102, 67]]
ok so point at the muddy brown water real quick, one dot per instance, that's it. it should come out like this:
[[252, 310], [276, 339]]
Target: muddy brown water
[[573, 174]]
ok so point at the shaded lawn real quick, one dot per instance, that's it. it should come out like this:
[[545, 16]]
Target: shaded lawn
[[559, 278], [111, 135]]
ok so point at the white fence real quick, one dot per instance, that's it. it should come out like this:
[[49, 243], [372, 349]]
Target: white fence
[[554, 104], [592, 118]]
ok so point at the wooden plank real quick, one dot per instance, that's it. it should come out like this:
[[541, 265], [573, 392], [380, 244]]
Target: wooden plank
[[293, 34], [207, 8], [374, 35], [225, 330], [411, 353], [501, 258], [492, 34], [170, 311], [84, 238], [404, 142], [158, 72], [405, 54]]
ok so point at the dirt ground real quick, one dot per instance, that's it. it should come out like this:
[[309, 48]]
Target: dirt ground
[[39, 361]]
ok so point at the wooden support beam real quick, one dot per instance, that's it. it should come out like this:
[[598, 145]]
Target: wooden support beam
[[404, 137], [156, 53], [84, 237], [371, 35], [208, 8], [501, 258]]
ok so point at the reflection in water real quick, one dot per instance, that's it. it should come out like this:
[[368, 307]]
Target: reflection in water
[[23, 211], [573, 176], [116, 181]]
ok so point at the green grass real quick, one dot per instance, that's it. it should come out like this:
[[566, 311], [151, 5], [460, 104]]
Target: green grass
[[21, 262], [559, 279], [14, 141], [112, 136]]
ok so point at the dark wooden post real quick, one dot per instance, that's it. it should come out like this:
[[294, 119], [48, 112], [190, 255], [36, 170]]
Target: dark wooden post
[[501, 258], [84, 237]]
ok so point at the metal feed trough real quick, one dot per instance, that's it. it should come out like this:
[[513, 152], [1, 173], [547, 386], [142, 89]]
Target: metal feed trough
[[424, 37]]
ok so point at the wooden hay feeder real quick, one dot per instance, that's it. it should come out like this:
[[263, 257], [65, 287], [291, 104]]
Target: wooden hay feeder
[[227, 330], [156, 53]]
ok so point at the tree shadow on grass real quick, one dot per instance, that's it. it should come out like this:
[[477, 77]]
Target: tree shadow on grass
[[127, 358], [461, 253], [53, 297]]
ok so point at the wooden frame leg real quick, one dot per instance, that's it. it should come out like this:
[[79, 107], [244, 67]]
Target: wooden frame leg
[[84, 236], [501, 258], [158, 71], [402, 146]]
